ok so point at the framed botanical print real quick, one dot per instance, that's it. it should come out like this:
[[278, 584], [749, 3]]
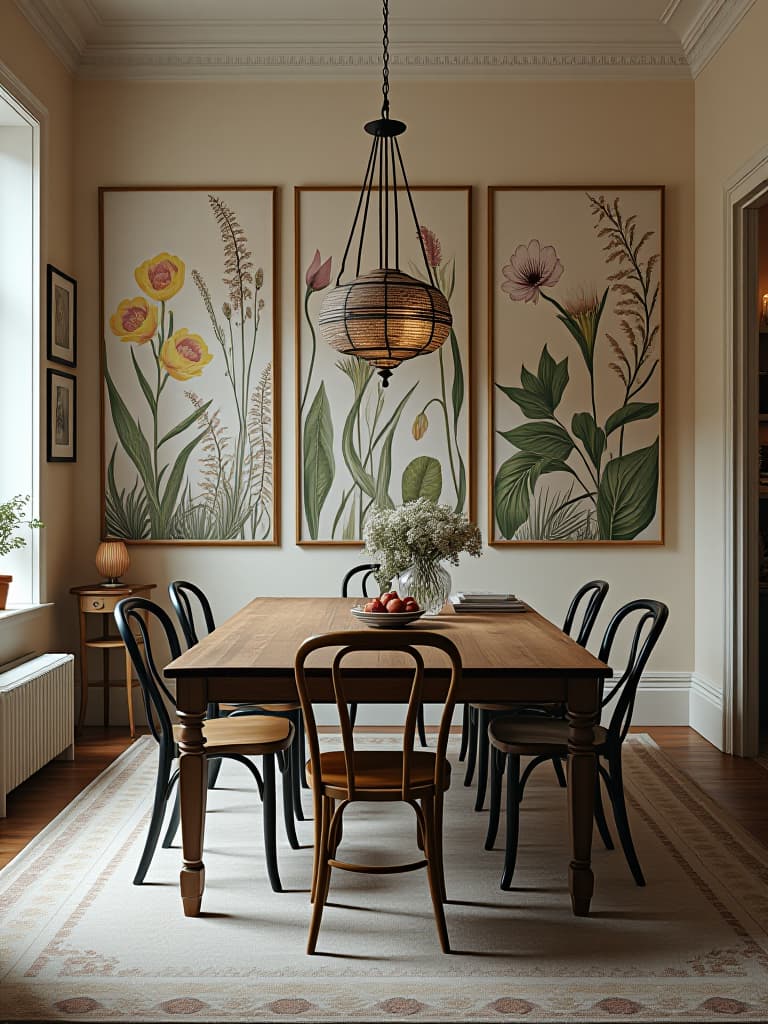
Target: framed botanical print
[[575, 355], [189, 364], [61, 317], [358, 443], [61, 394]]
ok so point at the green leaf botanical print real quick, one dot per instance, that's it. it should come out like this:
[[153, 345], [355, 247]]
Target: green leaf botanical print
[[626, 500], [613, 470], [319, 465], [422, 478]]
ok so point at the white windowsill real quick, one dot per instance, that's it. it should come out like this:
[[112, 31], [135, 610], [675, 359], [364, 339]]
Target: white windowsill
[[16, 610]]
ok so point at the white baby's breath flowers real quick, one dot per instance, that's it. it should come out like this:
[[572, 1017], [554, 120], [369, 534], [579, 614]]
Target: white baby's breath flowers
[[418, 532]]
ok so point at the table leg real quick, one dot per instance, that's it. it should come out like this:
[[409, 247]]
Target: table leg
[[193, 787], [129, 688], [83, 671], [582, 710]]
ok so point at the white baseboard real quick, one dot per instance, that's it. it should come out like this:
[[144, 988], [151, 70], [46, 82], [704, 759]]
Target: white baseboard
[[706, 710]]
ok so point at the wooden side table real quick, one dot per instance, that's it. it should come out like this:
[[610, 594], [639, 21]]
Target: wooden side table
[[99, 599]]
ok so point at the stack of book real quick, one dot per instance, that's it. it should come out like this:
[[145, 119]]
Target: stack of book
[[485, 601]]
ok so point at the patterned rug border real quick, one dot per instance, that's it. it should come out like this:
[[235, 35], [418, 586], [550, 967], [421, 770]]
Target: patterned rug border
[[268, 1005]]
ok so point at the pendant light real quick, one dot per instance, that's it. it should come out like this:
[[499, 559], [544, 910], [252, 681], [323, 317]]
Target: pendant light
[[384, 316]]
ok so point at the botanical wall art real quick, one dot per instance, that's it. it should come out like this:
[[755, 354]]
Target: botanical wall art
[[188, 317], [61, 317], [360, 445], [61, 394], [576, 279]]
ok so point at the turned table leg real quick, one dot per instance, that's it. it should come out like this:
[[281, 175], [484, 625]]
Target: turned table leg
[[193, 787], [583, 710]]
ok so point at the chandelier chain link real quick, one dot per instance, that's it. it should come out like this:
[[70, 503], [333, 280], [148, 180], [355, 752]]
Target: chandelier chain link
[[385, 61]]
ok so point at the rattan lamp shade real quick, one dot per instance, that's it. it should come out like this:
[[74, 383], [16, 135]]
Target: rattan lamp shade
[[112, 560], [385, 317]]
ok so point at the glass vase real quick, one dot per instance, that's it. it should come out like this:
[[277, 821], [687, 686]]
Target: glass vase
[[428, 583]]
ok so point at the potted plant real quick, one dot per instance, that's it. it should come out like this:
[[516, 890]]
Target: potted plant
[[12, 517]]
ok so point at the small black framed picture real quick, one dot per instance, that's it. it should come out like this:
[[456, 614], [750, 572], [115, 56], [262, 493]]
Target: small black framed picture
[[62, 416], [62, 317]]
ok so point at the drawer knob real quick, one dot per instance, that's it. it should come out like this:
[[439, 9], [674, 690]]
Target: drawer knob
[[97, 604]]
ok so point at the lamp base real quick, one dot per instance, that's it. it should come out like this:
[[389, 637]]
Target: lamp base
[[112, 583]]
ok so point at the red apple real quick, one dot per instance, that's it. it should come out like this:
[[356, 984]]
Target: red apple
[[374, 606], [411, 604], [388, 596], [395, 605]]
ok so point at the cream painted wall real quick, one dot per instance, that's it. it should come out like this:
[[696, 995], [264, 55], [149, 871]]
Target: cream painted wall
[[478, 133], [25, 55], [730, 129]]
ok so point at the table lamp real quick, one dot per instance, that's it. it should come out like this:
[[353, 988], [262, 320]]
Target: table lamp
[[112, 560]]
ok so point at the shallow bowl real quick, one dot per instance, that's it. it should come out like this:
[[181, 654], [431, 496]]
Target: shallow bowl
[[386, 620]]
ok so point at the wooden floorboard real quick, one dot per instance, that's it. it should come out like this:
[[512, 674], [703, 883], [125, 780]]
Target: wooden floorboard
[[738, 785]]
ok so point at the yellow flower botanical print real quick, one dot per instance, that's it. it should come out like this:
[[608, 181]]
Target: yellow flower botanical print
[[184, 355], [161, 277], [135, 320]]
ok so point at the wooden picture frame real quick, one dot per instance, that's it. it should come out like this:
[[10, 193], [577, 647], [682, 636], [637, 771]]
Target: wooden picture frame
[[427, 407], [61, 404], [575, 357], [61, 317], [189, 308]]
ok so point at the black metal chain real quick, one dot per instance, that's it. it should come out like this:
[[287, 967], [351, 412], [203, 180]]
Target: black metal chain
[[385, 55]]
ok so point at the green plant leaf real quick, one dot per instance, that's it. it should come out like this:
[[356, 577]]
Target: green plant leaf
[[512, 489], [553, 377], [359, 474], [384, 473], [540, 395], [173, 486], [135, 446], [319, 464], [422, 478], [148, 393], [626, 499], [629, 413], [349, 532], [457, 390], [532, 406], [591, 436], [545, 440], [186, 422]]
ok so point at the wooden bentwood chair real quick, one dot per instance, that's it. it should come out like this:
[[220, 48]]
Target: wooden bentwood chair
[[477, 717], [512, 739], [237, 739], [366, 570], [187, 599], [418, 778]]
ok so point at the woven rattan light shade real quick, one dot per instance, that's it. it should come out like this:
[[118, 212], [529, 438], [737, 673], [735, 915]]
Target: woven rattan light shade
[[385, 317]]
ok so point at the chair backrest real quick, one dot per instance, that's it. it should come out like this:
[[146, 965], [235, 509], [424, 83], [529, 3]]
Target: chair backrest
[[130, 615], [179, 592], [367, 569], [648, 626], [403, 641], [597, 590]]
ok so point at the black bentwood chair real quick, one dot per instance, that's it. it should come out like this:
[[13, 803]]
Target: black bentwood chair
[[513, 738], [478, 716], [186, 599], [366, 570], [236, 739]]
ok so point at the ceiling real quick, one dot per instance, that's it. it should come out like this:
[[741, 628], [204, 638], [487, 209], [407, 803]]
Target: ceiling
[[342, 38]]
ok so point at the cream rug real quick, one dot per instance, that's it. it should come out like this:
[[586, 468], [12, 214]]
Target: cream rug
[[80, 942]]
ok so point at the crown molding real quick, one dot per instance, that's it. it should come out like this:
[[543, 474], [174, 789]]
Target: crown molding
[[56, 29], [707, 32]]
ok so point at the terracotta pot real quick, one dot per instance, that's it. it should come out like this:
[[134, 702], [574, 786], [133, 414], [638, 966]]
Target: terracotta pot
[[5, 582]]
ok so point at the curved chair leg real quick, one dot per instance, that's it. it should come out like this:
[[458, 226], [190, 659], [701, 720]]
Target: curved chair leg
[[471, 747], [464, 732], [323, 874], [156, 821], [296, 768], [302, 749], [602, 824], [284, 762], [352, 714], [173, 824], [497, 771], [270, 829], [513, 819], [558, 766], [439, 844], [433, 871], [616, 792], [214, 767], [483, 745], [421, 727]]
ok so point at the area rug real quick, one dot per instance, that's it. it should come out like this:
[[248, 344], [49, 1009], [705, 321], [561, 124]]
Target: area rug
[[80, 942]]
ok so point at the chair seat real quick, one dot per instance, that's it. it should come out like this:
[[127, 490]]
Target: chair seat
[[511, 706], [380, 771], [536, 736], [277, 709], [249, 734]]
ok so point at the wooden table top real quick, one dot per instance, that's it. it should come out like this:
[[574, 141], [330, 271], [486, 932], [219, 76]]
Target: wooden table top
[[262, 638]]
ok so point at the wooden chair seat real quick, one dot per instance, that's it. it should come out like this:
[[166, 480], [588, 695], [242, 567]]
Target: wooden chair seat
[[379, 772], [242, 735], [274, 709], [534, 737]]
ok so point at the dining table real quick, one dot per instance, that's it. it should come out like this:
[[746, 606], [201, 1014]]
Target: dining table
[[518, 657]]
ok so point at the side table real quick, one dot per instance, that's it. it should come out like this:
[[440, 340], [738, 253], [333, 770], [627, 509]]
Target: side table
[[100, 599]]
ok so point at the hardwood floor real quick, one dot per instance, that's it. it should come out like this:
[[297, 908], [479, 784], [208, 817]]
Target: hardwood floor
[[740, 786]]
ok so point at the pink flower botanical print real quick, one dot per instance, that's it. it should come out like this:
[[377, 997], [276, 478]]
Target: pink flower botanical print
[[531, 267], [432, 247], [318, 274]]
